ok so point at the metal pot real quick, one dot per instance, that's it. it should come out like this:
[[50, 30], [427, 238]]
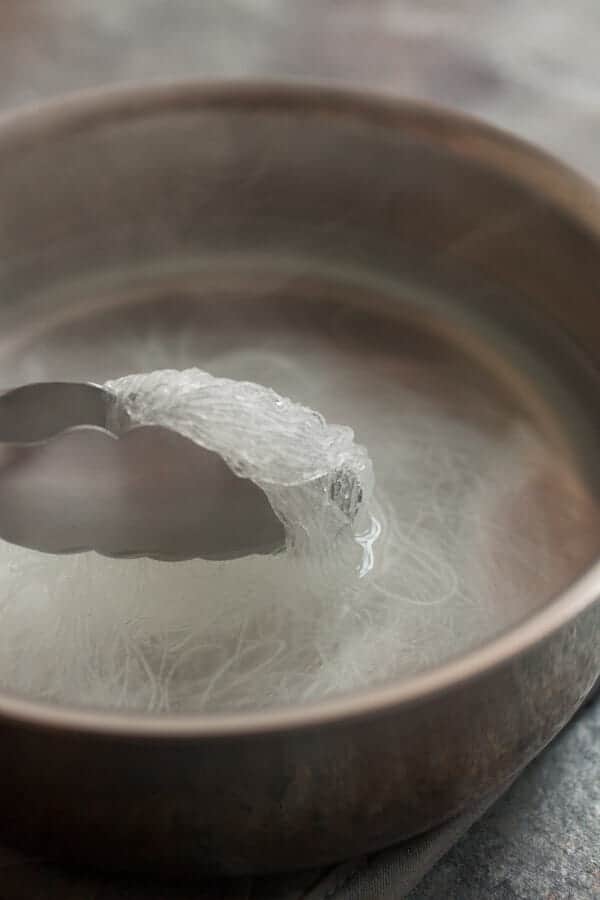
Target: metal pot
[[103, 180]]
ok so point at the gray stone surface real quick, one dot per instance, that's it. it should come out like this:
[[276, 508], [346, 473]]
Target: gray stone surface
[[532, 66]]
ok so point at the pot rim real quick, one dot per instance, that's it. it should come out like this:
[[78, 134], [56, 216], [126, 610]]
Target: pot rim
[[485, 145]]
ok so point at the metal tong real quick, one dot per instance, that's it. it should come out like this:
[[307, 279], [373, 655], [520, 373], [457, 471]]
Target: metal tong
[[76, 476]]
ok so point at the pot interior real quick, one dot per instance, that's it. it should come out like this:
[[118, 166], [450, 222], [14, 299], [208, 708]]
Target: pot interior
[[242, 243]]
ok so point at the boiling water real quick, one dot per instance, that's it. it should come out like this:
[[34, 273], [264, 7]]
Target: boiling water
[[480, 516]]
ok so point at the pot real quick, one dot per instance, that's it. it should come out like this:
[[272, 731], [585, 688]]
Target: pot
[[104, 181]]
